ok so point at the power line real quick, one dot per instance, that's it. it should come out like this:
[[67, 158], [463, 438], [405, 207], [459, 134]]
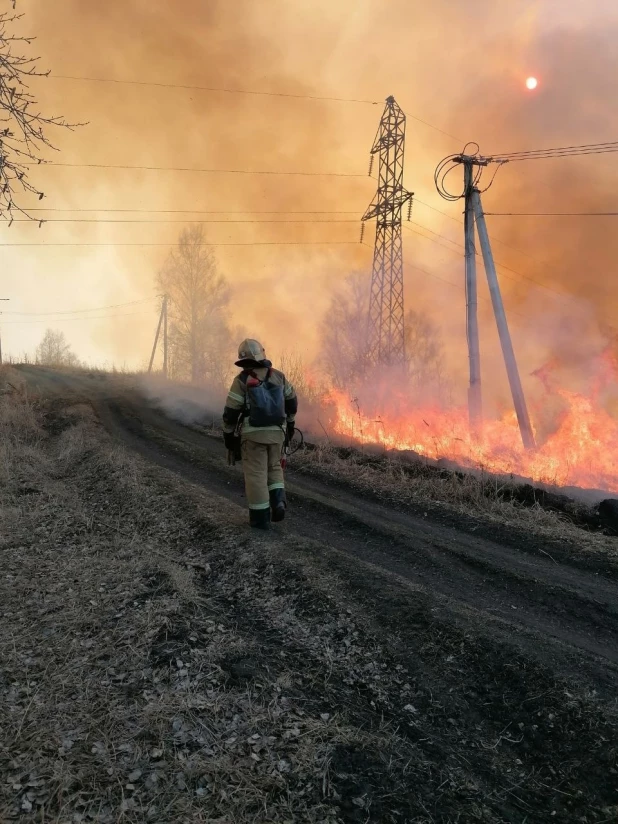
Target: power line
[[223, 89], [439, 211], [419, 269], [184, 220], [560, 151], [498, 240], [538, 283], [493, 237], [66, 320], [174, 243], [189, 169], [427, 229], [201, 211], [454, 285], [78, 311], [228, 90], [431, 274], [552, 214]]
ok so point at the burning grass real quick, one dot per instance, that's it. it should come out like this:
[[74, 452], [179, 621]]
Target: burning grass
[[577, 446], [399, 481]]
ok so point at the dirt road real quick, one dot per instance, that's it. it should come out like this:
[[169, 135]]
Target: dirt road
[[496, 625], [514, 589]]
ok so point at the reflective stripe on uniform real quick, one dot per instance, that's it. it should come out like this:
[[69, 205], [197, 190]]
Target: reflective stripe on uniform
[[260, 506], [236, 397], [276, 486], [246, 427]]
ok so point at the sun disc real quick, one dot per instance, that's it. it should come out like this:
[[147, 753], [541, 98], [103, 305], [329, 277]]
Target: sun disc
[[532, 83]]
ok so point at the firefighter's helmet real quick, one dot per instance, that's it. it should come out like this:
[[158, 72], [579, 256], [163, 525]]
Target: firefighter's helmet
[[250, 352]]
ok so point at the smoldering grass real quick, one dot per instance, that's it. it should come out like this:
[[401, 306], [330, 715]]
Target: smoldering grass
[[398, 481]]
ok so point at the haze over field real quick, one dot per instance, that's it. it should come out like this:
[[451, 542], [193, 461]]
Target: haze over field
[[362, 50]]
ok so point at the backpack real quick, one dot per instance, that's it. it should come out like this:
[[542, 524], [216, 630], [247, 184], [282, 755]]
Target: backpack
[[265, 400]]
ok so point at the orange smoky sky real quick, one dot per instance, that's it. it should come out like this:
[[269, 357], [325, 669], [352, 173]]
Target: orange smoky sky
[[458, 66]]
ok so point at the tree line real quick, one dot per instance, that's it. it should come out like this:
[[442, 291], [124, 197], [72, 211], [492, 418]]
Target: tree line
[[202, 340]]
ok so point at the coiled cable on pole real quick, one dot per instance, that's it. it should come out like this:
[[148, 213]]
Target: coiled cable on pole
[[449, 164]]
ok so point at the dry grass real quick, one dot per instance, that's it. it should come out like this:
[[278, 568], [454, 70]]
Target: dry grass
[[127, 684], [402, 482], [160, 664]]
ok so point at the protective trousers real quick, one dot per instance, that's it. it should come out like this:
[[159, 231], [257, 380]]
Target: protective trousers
[[261, 463]]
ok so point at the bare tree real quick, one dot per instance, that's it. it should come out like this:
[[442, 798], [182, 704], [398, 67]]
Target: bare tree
[[54, 350], [344, 331], [200, 337], [424, 352], [344, 340], [23, 127]]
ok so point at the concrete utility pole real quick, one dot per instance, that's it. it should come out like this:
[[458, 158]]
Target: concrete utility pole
[[474, 213], [162, 317], [164, 309], [508, 352], [475, 403], [1, 361]]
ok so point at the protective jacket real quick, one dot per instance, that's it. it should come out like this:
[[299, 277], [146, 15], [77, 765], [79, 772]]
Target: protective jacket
[[237, 402]]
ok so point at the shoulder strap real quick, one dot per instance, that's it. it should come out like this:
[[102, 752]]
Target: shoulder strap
[[245, 374]]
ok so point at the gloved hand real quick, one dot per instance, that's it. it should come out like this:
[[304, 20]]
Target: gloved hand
[[289, 433], [232, 444]]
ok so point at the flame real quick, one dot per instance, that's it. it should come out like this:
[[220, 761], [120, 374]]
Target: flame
[[582, 449]]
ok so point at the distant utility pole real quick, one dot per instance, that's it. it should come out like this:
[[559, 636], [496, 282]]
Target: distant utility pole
[[164, 309], [385, 327], [1, 361], [162, 322], [474, 213]]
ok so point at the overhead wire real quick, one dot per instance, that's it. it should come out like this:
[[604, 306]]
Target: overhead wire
[[424, 271], [285, 221], [125, 167], [455, 285], [223, 89], [493, 237], [552, 214], [44, 244], [66, 320], [202, 211], [560, 151], [44, 221], [228, 90], [80, 311], [499, 265]]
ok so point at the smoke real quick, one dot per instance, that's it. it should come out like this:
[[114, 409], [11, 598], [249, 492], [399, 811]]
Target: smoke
[[184, 403], [459, 66]]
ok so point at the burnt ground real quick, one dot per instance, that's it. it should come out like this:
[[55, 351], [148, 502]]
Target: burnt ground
[[398, 664]]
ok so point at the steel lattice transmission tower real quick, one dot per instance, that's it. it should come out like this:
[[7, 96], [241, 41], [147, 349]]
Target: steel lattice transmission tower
[[385, 329]]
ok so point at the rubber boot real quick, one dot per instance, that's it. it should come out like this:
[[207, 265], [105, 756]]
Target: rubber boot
[[278, 504], [259, 518]]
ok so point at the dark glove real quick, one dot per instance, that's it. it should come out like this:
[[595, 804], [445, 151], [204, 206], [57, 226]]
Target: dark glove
[[289, 434], [232, 444]]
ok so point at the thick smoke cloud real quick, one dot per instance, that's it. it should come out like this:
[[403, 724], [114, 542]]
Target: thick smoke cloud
[[459, 66]]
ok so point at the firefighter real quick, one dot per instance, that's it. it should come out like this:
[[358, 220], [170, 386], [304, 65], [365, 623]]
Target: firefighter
[[258, 419]]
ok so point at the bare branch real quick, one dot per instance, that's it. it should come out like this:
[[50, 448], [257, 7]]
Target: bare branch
[[23, 127]]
